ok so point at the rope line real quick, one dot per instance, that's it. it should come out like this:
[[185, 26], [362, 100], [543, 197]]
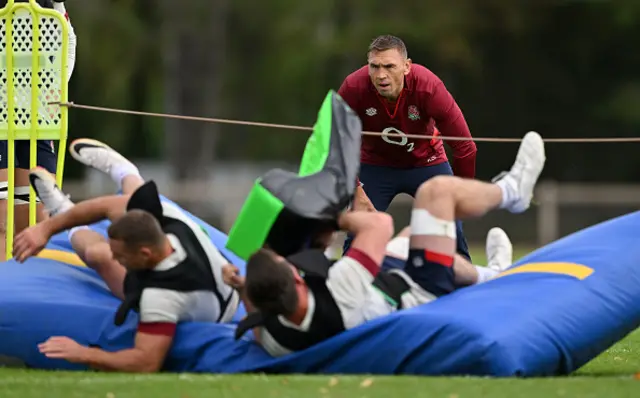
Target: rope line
[[306, 128]]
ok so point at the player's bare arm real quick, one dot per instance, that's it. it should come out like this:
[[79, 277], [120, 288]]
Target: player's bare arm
[[87, 212], [30, 241], [372, 231], [350, 278], [146, 356], [451, 123]]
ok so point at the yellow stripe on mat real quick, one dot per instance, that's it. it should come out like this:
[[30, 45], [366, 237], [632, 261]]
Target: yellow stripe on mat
[[62, 256], [578, 271]]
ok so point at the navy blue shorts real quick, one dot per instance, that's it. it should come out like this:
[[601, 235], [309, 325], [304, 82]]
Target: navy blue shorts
[[46, 156], [433, 276], [391, 262], [432, 271]]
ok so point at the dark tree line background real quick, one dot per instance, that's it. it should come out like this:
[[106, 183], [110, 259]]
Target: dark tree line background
[[563, 68]]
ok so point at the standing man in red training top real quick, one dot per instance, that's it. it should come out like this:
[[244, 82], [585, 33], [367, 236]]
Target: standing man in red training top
[[396, 97]]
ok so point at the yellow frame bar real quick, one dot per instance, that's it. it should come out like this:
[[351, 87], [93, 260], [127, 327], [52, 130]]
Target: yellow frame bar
[[36, 132], [35, 80]]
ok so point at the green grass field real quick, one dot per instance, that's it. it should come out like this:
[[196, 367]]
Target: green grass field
[[612, 374]]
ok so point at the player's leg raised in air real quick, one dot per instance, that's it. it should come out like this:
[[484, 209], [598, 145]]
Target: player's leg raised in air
[[444, 199], [414, 178], [90, 245], [47, 159]]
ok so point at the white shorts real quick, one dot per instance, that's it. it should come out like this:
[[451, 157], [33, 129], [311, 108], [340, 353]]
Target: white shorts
[[399, 247], [71, 53]]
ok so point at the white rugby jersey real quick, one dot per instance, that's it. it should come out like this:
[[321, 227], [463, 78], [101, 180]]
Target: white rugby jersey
[[168, 306]]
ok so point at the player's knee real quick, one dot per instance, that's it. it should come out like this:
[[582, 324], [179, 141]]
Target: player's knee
[[97, 255], [384, 223], [436, 186]]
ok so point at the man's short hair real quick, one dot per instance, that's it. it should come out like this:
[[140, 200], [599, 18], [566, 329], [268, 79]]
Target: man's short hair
[[137, 228], [388, 42], [270, 284]]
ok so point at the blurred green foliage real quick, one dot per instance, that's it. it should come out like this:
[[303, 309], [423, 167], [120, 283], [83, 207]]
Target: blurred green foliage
[[563, 68]]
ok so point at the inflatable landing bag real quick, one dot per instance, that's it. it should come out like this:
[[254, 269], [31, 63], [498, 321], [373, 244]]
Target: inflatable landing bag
[[284, 209]]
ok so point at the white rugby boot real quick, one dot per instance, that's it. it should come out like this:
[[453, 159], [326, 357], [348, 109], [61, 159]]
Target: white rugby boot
[[98, 155], [518, 183], [51, 196], [499, 250]]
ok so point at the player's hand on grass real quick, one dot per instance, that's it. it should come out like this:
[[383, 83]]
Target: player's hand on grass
[[30, 242], [361, 201], [63, 348]]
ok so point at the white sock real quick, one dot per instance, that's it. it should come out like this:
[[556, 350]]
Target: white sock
[[66, 205], [73, 230], [121, 170], [485, 274], [399, 247], [509, 194]]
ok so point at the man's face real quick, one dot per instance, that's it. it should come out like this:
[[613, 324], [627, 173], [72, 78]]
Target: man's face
[[387, 70], [131, 258]]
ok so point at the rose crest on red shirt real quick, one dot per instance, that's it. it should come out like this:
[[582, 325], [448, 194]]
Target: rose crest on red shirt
[[414, 114]]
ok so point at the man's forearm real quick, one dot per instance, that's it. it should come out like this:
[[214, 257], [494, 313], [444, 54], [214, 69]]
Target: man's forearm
[[84, 213], [451, 123], [464, 152], [357, 221], [130, 360], [464, 166]]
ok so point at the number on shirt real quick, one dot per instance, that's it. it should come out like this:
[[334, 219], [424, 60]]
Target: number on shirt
[[394, 136]]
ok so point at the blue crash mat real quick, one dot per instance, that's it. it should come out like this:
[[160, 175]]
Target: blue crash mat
[[549, 314]]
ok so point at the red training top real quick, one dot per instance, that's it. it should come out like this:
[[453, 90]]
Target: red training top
[[423, 103]]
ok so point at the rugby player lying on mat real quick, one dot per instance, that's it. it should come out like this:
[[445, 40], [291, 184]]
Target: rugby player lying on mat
[[296, 312], [157, 259]]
